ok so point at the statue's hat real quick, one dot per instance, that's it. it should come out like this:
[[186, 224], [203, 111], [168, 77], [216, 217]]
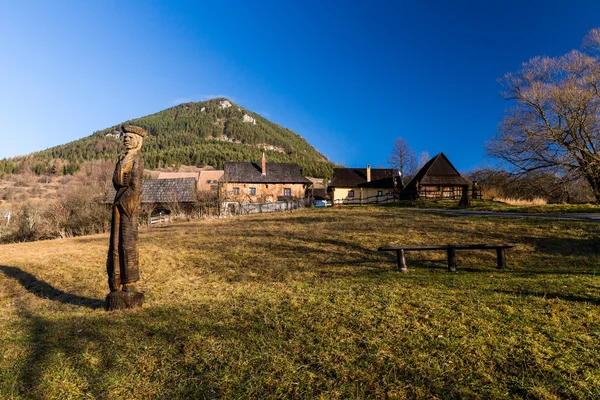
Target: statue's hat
[[134, 129]]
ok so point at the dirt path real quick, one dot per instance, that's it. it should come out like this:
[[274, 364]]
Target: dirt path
[[590, 217]]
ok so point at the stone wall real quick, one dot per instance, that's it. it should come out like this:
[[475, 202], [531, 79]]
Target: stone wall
[[237, 208]]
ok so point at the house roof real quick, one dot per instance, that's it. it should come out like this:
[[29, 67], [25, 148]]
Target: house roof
[[318, 183], [182, 190], [177, 175], [214, 175], [248, 172], [438, 171], [357, 177]]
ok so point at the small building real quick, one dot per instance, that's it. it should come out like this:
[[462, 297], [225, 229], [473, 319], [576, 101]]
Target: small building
[[438, 179], [208, 181], [248, 182], [364, 185]]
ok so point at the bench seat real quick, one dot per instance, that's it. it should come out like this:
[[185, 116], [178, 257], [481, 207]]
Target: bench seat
[[451, 250]]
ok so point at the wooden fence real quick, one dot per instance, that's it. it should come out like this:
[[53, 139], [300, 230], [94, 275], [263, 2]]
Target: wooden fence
[[159, 219], [383, 199]]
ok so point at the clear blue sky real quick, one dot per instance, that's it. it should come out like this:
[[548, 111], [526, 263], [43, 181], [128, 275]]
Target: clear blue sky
[[350, 77]]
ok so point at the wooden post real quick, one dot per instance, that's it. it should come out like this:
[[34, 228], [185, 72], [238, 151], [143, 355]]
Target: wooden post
[[401, 261], [500, 252], [451, 259]]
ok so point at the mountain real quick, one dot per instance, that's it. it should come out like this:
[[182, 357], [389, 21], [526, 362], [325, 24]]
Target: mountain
[[201, 133]]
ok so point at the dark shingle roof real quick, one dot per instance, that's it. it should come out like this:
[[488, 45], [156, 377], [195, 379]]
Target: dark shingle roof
[[247, 172], [357, 177], [437, 171], [182, 190]]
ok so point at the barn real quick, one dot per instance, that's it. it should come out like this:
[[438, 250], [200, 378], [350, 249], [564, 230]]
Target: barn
[[438, 179]]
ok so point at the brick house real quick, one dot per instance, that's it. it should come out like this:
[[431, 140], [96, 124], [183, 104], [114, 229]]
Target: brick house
[[248, 182]]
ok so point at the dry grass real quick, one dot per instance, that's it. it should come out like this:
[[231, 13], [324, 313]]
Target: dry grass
[[301, 306], [536, 201], [493, 205]]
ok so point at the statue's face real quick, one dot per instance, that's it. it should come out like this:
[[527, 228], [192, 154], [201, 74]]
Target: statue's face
[[129, 140]]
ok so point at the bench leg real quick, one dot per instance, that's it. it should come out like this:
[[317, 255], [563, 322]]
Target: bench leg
[[401, 260], [451, 259], [501, 254]]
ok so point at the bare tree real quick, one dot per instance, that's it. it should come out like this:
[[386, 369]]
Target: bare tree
[[555, 124], [402, 158], [422, 160]]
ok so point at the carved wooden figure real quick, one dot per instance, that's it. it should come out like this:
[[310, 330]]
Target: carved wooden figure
[[122, 264]]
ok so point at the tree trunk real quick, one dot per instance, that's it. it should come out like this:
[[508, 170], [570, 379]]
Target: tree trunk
[[594, 182]]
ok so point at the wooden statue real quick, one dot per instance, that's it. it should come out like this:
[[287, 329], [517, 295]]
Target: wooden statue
[[123, 254]]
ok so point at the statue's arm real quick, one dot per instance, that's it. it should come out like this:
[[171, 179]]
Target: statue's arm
[[115, 179], [130, 199]]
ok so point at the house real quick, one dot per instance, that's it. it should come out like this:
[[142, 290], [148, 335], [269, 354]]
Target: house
[[436, 180], [364, 185], [208, 181], [248, 182]]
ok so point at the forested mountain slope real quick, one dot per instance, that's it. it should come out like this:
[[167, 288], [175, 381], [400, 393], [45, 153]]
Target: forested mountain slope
[[202, 133]]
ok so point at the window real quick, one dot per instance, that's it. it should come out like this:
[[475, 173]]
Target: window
[[390, 193], [252, 190], [287, 192], [208, 181], [380, 193], [236, 190], [351, 193]]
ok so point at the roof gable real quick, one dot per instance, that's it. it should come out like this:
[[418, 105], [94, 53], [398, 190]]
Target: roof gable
[[438, 171]]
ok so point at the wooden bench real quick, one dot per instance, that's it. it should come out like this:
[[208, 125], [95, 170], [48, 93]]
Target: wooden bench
[[451, 250]]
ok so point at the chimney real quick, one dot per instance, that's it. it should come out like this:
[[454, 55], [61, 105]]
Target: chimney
[[264, 165], [368, 173]]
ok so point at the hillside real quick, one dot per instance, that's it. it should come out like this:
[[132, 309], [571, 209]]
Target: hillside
[[202, 133], [299, 305]]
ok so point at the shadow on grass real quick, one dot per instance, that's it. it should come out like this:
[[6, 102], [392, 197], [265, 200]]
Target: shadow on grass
[[119, 347], [206, 352], [565, 246], [543, 295], [46, 291]]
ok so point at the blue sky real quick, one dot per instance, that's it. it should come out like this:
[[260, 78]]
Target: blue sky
[[350, 77]]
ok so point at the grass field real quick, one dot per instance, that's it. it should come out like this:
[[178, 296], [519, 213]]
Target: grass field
[[299, 305], [491, 205]]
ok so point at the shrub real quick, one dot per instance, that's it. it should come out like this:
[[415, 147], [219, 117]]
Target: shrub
[[536, 201]]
